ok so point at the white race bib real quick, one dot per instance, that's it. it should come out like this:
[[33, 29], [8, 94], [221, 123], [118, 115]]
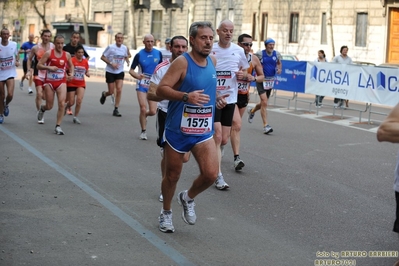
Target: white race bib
[[145, 81], [268, 84], [224, 80], [243, 86], [56, 75], [196, 120]]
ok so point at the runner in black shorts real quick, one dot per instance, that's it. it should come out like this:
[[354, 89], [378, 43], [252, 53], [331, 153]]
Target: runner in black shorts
[[242, 101], [231, 67], [261, 90], [271, 64], [245, 41]]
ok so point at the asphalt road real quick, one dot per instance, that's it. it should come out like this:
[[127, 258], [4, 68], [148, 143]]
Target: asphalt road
[[314, 186]]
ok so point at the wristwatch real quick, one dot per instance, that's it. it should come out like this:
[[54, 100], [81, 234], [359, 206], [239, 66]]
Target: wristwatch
[[185, 97]]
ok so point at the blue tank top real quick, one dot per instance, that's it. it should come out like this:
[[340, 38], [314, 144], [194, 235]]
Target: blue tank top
[[269, 64], [190, 119], [147, 62]]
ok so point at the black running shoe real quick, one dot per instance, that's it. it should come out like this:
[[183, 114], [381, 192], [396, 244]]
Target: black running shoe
[[103, 97]]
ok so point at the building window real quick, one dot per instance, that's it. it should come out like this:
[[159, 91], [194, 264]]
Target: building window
[[263, 35], [294, 21], [218, 17], [141, 23], [62, 3], [156, 24], [231, 15], [323, 37], [361, 29], [76, 3], [254, 27]]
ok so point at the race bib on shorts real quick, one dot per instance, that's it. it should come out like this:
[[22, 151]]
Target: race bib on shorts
[[268, 84], [145, 81], [196, 120]]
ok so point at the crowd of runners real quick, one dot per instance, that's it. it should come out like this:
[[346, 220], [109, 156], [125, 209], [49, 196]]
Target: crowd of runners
[[199, 95]]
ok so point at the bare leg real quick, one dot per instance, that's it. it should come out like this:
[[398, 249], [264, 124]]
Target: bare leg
[[39, 96], [49, 94], [61, 96], [173, 167], [2, 97], [80, 92], [10, 90], [205, 155], [263, 110], [118, 85], [235, 130], [70, 99], [217, 136], [142, 99], [152, 106]]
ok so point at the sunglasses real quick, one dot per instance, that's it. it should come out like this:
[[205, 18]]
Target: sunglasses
[[247, 44]]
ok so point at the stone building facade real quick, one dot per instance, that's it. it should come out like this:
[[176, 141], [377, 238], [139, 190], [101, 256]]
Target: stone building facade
[[370, 28]]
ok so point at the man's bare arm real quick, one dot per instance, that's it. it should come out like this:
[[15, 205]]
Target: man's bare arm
[[152, 93], [389, 128], [258, 69]]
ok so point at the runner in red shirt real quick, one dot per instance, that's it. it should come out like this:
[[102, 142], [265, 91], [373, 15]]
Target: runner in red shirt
[[76, 87], [55, 63]]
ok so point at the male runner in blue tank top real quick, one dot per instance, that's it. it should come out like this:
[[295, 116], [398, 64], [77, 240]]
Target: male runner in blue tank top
[[190, 85], [271, 63], [146, 59]]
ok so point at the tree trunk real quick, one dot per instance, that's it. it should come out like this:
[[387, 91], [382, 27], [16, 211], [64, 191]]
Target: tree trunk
[[330, 32], [42, 16], [85, 27]]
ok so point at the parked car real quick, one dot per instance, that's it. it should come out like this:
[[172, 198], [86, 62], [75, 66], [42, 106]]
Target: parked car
[[390, 65], [289, 57], [363, 63]]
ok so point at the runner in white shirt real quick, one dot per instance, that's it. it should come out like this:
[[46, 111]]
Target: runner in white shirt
[[9, 61], [179, 45], [114, 56], [231, 65]]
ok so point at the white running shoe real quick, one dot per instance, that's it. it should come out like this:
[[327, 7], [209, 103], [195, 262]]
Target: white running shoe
[[268, 129], [58, 131], [40, 121], [238, 164], [143, 136], [160, 198], [112, 99], [30, 91], [21, 85], [188, 213], [220, 183], [165, 222], [40, 114], [76, 120], [250, 115]]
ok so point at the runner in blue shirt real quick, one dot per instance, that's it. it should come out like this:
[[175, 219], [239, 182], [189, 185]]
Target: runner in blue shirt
[[146, 59], [25, 49]]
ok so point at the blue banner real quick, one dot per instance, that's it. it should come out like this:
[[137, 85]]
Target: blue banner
[[293, 76]]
